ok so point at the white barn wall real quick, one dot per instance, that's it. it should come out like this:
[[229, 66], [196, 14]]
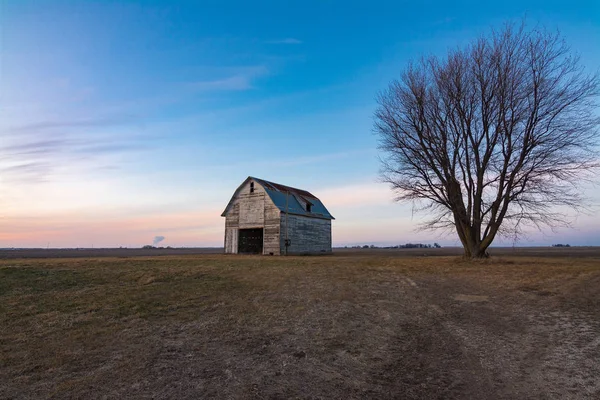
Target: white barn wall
[[252, 210]]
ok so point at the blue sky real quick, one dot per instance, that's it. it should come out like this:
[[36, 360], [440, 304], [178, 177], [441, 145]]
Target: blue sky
[[120, 121]]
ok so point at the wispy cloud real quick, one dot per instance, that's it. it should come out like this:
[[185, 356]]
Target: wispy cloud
[[231, 83], [37, 127], [285, 41], [71, 146], [42, 146], [28, 171], [230, 78], [31, 152]]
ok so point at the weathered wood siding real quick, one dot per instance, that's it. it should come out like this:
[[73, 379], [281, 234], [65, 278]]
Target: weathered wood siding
[[253, 210], [231, 240], [272, 228], [307, 235]]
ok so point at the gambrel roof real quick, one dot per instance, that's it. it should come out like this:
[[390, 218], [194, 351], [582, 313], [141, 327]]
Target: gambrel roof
[[288, 198]]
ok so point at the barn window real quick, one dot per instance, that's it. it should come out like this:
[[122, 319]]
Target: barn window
[[251, 187], [308, 207]]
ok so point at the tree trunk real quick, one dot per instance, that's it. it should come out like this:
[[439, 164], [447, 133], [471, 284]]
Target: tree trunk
[[475, 250], [472, 245]]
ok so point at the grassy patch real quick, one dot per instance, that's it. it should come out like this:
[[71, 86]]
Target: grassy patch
[[35, 279], [73, 327]]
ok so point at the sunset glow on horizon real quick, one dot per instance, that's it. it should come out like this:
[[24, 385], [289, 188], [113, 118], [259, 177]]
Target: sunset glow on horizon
[[120, 122]]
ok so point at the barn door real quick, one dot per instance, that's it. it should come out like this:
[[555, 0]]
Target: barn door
[[250, 241]]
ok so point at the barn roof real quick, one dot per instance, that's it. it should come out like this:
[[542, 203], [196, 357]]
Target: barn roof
[[289, 198]]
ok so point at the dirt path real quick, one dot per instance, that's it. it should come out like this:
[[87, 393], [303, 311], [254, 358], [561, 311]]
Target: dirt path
[[518, 344], [412, 338]]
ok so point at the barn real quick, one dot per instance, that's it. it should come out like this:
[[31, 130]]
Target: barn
[[262, 217]]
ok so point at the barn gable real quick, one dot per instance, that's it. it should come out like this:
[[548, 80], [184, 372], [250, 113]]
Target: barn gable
[[287, 199]]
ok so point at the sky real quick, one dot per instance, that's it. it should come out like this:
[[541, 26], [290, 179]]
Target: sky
[[122, 121]]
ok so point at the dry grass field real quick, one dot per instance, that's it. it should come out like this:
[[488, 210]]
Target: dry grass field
[[348, 326]]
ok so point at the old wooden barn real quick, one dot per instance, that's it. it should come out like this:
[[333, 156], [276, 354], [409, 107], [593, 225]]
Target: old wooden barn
[[262, 217]]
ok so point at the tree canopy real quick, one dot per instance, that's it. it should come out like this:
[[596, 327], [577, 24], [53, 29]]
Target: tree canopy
[[493, 137]]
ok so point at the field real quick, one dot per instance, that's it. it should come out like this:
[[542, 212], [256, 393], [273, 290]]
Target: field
[[357, 324]]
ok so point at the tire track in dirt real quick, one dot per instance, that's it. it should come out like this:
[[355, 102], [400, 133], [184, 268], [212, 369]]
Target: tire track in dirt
[[516, 345]]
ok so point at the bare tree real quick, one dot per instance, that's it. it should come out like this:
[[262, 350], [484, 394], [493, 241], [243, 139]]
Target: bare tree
[[492, 138]]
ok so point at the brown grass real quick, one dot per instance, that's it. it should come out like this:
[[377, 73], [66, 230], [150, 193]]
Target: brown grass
[[346, 326]]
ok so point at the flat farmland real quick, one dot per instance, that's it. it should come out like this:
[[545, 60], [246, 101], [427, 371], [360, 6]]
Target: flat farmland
[[445, 251], [353, 325], [114, 252]]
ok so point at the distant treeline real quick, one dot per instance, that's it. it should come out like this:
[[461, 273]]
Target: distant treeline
[[399, 246]]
